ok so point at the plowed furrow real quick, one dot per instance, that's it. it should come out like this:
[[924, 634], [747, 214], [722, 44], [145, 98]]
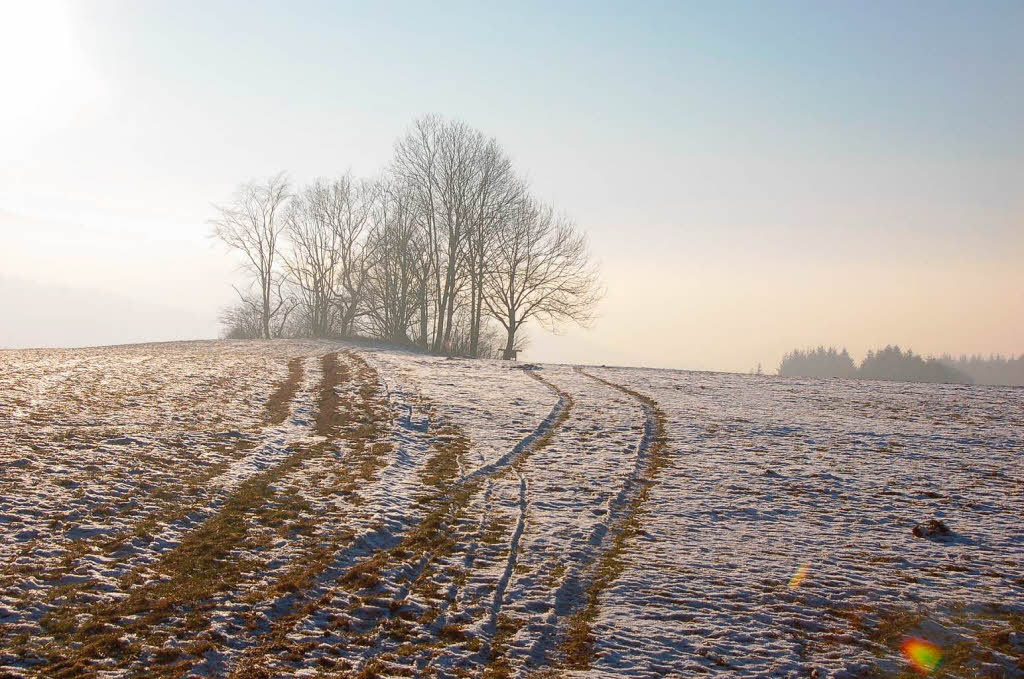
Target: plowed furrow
[[89, 631]]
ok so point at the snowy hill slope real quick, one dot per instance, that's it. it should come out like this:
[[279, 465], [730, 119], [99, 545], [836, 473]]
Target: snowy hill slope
[[303, 508]]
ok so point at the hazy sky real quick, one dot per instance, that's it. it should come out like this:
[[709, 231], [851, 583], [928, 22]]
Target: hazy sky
[[753, 176]]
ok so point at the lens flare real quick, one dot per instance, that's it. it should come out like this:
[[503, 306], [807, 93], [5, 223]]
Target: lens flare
[[799, 576], [923, 655]]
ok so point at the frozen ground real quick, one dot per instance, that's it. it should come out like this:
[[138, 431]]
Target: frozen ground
[[284, 509]]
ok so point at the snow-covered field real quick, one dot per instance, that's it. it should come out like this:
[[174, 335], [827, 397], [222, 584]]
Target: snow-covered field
[[294, 508]]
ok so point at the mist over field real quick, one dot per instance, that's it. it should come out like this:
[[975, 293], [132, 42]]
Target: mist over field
[[525, 340], [749, 181]]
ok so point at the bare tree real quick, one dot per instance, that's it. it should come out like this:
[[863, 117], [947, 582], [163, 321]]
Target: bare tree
[[541, 271], [438, 159], [313, 262], [326, 225], [252, 224], [243, 320], [354, 222], [286, 305], [395, 257], [496, 193]]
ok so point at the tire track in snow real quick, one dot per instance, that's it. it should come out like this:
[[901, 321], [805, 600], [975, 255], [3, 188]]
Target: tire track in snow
[[458, 594], [96, 574], [509, 462], [233, 443], [537, 438], [492, 653], [360, 425], [439, 522], [398, 483], [466, 488], [579, 594], [194, 560], [262, 457], [488, 650]]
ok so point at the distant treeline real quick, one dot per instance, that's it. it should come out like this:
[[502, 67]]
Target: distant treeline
[[892, 363], [991, 370]]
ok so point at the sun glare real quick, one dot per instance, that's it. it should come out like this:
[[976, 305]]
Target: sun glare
[[43, 78]]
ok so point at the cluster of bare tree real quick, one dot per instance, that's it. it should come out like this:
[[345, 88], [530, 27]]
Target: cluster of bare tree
[[444, 245]]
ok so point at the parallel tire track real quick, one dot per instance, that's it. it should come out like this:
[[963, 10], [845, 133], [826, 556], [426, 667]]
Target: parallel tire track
[[357, 427], [191, 571], [494, 649], [432, 538], [624, 522], [277, 407], [78, 583]]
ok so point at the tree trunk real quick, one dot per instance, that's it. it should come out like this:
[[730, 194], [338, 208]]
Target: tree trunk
[[266, 315], [449, 328], [474, 329], [511, 343], [423, 317]]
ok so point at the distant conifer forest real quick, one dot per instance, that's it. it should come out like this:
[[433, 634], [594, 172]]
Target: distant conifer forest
[[892, 363]]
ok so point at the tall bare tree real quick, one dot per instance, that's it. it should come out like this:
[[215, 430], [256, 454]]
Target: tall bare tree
[[496, 193], [396, 256], [252, 223], [312, 262], [438, 159], [541, 270], [354, 224], [327, 224]]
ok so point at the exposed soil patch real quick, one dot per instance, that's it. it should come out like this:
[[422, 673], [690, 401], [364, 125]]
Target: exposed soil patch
[[279, 403]]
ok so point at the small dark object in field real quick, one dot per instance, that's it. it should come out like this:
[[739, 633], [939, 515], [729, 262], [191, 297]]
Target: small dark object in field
[[934, 529]]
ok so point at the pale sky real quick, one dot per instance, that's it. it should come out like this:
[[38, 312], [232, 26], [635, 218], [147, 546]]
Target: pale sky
[[754, 176]]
